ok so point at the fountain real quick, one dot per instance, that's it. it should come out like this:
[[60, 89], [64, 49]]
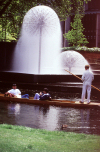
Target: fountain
[[71, 61], [39, 43], [38, 50]]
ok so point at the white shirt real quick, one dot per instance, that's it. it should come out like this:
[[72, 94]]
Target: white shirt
[[87, 77], [15, 92]]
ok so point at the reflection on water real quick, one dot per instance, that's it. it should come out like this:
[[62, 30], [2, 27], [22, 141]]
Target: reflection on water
[[85, 119], [51, 117], [13, 109]]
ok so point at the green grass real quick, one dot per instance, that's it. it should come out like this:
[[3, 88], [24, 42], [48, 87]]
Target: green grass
[[24, 139]]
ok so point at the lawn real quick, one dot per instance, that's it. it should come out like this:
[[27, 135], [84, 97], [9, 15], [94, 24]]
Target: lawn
[[24, 139]]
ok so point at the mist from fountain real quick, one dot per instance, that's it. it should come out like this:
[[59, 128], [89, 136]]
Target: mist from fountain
[[39, 43]]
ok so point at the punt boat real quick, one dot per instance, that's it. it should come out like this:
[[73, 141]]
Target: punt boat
[[54, 102]]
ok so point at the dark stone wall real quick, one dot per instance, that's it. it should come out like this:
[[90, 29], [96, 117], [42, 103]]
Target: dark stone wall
[[31, 78], [6, 52]]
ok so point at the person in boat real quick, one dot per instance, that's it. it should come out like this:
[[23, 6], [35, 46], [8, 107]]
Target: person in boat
[[14, 92], [43, 95], [87, 79]]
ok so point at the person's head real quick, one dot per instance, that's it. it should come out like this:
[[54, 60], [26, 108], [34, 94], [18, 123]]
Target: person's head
[[14, 86], [45, 90], [86, 67]]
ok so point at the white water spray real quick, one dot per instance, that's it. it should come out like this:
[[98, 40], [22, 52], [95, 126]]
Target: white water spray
[[40, 42], [71, 61]]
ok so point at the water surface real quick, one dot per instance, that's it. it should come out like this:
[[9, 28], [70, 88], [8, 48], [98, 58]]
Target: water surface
[[51, 117]]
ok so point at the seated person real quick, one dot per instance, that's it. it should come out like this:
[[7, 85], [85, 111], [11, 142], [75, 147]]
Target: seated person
[[14, 92], [25, 96], [43, 96]]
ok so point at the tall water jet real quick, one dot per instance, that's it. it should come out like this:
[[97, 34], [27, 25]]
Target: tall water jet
[[39, 43]]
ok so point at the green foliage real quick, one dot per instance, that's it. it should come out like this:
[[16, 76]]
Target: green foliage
[[12, 13], [4, 34], [63, 8], [75, 36], [82, 48], [11, 20], [19, 139]]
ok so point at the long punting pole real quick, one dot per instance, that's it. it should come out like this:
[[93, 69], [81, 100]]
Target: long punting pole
[[81, 79]]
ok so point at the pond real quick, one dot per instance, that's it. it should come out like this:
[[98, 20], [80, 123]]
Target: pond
[[51, 117]]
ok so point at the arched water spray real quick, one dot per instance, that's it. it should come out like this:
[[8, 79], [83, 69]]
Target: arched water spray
[[40, 42], [71, 61]]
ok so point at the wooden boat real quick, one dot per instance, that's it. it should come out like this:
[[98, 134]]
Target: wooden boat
[[55, 102]]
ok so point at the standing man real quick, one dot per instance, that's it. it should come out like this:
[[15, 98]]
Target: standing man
[[87, 79]]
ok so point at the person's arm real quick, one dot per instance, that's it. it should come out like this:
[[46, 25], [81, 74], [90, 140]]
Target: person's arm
[[83, 77], [9, 93], [6, 92], [92, 77], [45, 97], [19, 92], [18, 95], [42, 97]]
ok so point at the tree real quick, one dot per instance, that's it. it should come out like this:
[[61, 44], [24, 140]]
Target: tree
[[3, 6], [63, 8], [12, 12], [75, 36]]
